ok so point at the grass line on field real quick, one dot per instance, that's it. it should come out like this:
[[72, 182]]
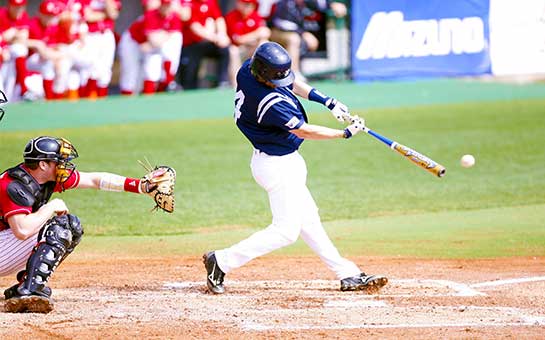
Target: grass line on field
[[483, 233]]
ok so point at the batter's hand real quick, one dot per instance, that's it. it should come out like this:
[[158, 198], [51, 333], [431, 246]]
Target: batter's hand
[[338, 110], [357, 125]]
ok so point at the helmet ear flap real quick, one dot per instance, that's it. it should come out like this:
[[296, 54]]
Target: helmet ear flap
[[258, 70]]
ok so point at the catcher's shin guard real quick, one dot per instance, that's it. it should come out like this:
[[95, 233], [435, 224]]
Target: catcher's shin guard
[[55, 242]]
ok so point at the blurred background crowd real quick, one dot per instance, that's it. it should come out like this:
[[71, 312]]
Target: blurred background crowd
[[59, 49]]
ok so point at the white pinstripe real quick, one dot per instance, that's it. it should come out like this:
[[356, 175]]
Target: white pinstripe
[[14, 253]]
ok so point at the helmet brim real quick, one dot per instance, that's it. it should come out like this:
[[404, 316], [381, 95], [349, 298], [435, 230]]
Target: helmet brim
[[284, 82]]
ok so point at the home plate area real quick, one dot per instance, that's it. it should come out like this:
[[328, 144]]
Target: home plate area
[[318, 304]]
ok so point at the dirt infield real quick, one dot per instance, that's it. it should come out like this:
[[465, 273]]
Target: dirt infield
[[280, 297]]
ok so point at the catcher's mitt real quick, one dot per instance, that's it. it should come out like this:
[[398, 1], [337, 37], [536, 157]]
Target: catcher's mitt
[[159, 184]]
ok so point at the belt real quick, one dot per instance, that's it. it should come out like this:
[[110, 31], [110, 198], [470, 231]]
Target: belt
[[259, 152]]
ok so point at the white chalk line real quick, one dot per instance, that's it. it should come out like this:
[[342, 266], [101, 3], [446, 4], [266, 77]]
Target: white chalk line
[[508, 281], [259, 327], [460, 289]]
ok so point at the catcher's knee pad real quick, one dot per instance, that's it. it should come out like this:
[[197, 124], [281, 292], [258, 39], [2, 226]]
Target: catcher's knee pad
[[53, 241], [73, 223]]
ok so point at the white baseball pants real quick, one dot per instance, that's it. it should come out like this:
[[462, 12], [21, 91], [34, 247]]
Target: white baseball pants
[[101, 45], [294, 213], [14, 253], [171, 50], [136, 65]]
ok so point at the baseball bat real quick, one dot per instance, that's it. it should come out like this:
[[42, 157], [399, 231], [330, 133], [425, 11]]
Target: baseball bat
[[417, 158]]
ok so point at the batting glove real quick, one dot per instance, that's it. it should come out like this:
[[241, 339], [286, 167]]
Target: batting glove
[[338, 110], [357, 125]]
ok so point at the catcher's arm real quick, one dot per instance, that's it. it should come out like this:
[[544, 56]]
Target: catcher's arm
[[159, 184]]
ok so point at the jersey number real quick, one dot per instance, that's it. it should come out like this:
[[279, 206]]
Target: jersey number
[[239, 100]]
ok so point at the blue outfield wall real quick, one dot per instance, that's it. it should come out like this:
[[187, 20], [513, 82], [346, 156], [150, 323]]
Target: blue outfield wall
[[420, 38]]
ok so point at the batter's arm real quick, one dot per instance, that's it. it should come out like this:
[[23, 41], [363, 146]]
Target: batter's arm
[[317, 132], [338, 109], [301, 88]]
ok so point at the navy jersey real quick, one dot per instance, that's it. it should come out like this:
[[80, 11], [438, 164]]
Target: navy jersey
[[266, 115]]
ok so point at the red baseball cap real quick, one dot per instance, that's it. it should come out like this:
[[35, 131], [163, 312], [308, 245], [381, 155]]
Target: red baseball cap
[[50, 7], [17, 2]]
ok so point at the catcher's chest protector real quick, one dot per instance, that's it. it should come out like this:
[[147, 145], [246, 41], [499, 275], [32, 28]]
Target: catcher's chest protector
[[26, 191]]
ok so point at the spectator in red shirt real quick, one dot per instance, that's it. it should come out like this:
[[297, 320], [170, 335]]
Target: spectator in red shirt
[[170, 50], [247, 30], [75, 68], [100, 16], [35, 232], [140, 48], [205, 36], [14, 25], [43, 34]]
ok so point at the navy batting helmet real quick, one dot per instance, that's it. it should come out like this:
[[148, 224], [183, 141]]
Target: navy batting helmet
[[271, 64]]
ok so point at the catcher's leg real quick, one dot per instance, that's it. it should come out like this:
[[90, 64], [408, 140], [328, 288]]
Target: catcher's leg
[[55, 241]]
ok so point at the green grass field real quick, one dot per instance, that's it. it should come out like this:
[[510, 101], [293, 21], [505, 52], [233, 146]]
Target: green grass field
[[371, 200]]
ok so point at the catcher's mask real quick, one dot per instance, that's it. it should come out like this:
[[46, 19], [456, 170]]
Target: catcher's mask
[[58, 150]]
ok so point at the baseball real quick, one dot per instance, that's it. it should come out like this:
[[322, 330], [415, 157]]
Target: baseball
[[467, 161]]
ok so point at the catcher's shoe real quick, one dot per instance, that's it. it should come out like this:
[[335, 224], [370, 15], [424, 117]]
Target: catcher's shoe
[[371, 284], [214, 275], [31, 303], [12, 291]]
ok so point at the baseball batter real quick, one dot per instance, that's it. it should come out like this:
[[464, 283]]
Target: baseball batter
[[37, 234], [269, 114]]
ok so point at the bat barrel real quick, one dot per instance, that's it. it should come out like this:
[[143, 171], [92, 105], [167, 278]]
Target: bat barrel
[[421, 160]]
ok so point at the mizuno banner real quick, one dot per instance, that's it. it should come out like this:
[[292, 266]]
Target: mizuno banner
[[419, 38], [517, 37]]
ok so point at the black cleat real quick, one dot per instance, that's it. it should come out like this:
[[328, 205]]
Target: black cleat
[[371, 284], [22, 302], [214, 275]]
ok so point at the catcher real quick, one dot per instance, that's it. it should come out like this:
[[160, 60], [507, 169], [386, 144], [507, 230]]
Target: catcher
[[39, 233]]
